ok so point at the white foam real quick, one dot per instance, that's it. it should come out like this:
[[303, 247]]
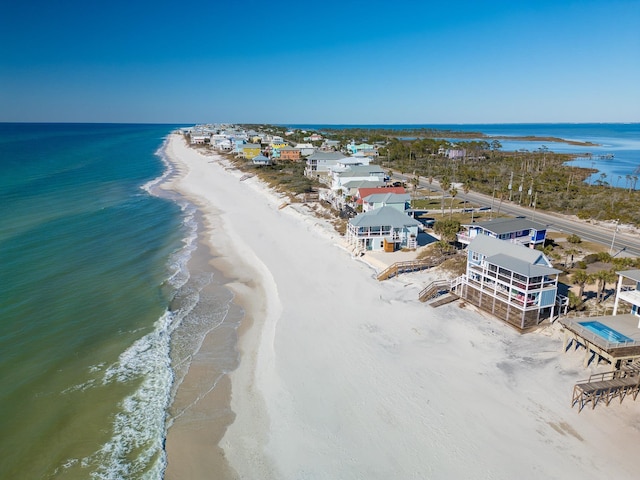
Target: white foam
[[139, 427]]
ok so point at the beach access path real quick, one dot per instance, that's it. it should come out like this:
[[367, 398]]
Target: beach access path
[[343, 376]]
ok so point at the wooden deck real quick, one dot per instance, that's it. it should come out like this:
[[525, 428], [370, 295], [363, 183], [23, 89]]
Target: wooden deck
[[616, 353], [404, 267], [605, 387]]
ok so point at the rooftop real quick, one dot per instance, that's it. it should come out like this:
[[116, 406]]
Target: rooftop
[[507, 225]]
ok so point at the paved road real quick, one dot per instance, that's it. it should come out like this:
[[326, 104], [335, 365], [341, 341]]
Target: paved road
[[617, 242]]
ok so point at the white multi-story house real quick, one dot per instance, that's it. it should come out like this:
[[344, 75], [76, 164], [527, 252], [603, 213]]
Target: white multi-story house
[[399, 201], [372, 173], [320, 163], [628, 290], [385, 228], [514, 283]]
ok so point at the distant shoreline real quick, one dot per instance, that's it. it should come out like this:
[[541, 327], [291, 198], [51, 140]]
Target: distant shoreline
[[435, 133]]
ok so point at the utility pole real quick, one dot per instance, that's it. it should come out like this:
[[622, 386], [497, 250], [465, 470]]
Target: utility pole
[[614, 237], [511, 187]]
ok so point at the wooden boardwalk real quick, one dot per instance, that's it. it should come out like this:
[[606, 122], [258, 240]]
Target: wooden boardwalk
[[404, 267], [604, 387]]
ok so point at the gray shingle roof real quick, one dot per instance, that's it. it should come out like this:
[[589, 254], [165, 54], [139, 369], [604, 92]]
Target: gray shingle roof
[[523, 260], [387, 216], [362, 184], [507, 225], [388, 198]]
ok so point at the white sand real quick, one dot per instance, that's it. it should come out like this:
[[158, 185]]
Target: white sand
[[345, 377]]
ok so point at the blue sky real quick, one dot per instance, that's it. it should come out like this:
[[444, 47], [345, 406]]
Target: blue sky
[[339, 62]]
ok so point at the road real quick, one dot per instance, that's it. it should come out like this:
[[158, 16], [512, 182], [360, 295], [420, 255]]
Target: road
[[617, 242]]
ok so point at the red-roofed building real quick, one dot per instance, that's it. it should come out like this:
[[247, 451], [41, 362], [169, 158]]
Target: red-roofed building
[[365, 192]]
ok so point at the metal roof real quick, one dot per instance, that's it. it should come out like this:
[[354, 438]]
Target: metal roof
[[631, 274], [520, 266], [512, 256], [388, 197], [387, 216], [508, 225]]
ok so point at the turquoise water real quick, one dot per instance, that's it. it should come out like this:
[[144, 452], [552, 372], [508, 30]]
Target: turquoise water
[[98, 312], [605, 332], [622, 140]]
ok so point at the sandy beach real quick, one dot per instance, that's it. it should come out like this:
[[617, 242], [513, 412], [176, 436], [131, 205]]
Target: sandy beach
[[345, 377]]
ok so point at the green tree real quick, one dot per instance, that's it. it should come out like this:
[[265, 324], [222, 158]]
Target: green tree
[[602, 278], [447, 229], [581, 278], [573, 238], [444, 185], [453, 192]]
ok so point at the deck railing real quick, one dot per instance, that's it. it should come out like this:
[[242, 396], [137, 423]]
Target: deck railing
[[594, 338], [403, 267]]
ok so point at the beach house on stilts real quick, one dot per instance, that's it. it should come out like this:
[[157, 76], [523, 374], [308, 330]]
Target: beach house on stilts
[[385, 228], [514, 283]]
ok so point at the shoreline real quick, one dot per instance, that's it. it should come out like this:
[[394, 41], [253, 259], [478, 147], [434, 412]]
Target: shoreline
[[342, 376]]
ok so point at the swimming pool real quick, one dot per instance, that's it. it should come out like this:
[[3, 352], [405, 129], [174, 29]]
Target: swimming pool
[[605, 332]]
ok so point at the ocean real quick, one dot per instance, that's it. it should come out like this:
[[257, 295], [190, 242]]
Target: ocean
[[107, 294], [99, 313]]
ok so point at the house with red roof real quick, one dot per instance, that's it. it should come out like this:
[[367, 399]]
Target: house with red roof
[[365, 192]]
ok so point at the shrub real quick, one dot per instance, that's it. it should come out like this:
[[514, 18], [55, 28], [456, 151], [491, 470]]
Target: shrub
[[591, 258], [573, 238]]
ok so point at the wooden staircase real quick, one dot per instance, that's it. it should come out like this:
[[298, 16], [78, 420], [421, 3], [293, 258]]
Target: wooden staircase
[[444, 299], [404, 267], [435, 289]]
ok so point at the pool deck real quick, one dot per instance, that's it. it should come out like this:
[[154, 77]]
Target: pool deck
[[616, 353]]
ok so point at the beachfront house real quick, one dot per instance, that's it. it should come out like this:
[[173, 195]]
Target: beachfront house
[[385, 229], [628, 291], [250, 150], [514, 283], [319, 163], [399, 201], [289, 154], [261, 160], [357, 172], [515, 230], [366, 190], [200, 138]]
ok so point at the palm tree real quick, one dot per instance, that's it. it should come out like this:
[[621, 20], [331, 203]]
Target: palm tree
[[602, 278], [453, 192], [444, 185], [581, 278]]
